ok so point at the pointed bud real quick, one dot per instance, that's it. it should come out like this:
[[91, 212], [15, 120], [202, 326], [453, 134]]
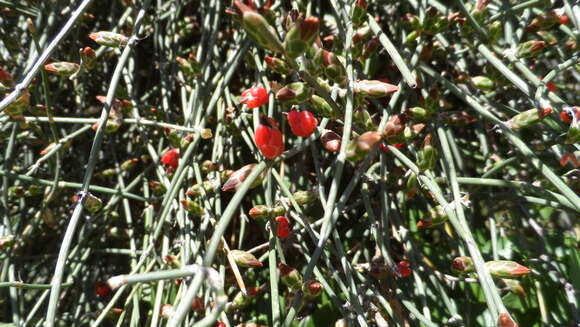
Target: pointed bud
[[543, 21], [333, 67], [312, 288], [193, 207], [483, 83], [506, 269], [394, 127], [330, 140], [358, 12], [427, 156], [528, 118], [190, 66], [321, 107], [258, 28], [129, 164], [245, 259], [278, 65], [463, 265], [290, 277], [92, 203], [88, 57], [109, 39], [294, 93], [62, 68], [239, 176], [260, 212], [157, 188], [530, 48], [305, 197], [374, 88], [368, 140], [301, 35]]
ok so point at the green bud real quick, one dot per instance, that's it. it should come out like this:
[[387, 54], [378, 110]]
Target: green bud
[[258, 28], [294, 93], [33, 190], [62, 68], [245, 259], [358, 12], [109, 39], [129, 164], [190, 66], [530, 48], [305, 197], [278, 65], [193, 207], [157, 188], [506, 269], [528, 118], [427, 156], [92, 203], [483, 83], [16, 192], [290, 277], [301, 35], [321, 107]]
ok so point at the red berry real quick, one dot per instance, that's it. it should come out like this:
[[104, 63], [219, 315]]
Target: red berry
[[268, 138], [219, 324], [551, 87], [102, 289], [567, 115], [254, 97], [564, 19], [171, 158], [404, 268], [282, 227], [302, 123]]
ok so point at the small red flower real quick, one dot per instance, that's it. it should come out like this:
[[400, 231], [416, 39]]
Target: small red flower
[[171, 158], [254, 97], [283, 227], [268, 138], [385, 148], [302, 123], [102, 289], [404, 268]]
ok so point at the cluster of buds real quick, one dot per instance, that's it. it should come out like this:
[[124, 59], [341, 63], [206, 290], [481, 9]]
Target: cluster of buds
[[300, 36], [497, 268], [399, 130], [261, 212], [257, 26], [207, 186], [236, 179]]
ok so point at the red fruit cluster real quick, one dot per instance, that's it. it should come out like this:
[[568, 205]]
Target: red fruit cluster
[[269, 138], [171, 158], [302, 123], [283, 227], [254, 97]]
